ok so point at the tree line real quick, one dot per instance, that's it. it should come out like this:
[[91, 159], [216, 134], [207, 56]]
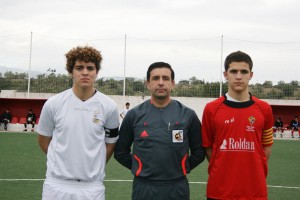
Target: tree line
[[193, 87]]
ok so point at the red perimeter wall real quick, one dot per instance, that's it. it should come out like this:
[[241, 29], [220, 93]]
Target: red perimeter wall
[[285, 112], [19, 107]]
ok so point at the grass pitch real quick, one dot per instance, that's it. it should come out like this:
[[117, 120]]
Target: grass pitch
[[23, 166]]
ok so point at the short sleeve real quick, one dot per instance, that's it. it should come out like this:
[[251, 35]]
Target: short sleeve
[[46, 123], [207, 129], [267, 135], [112, 123]]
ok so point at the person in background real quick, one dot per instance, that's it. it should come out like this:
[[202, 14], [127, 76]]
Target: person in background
[[294, 125], [166, 138], [125, 110], [278, 126], [30, 119], [5, 118], [78, 129], [237, 135]]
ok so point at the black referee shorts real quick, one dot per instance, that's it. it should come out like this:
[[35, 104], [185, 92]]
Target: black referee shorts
[[160, 190]]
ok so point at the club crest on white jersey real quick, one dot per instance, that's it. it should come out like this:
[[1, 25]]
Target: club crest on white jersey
[[96, 117]]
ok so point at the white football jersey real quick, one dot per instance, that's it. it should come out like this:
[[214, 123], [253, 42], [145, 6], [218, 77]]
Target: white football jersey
[[77, 150]]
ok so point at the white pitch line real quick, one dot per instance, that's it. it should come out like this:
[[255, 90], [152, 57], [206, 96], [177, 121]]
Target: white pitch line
[[270, 186], [285, 187], [17, 179]]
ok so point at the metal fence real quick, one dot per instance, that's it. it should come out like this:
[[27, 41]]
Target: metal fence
[[197, 63], [136, 87]]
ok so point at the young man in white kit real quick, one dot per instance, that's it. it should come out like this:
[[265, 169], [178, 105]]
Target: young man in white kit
[[125, 110], [78, 129]]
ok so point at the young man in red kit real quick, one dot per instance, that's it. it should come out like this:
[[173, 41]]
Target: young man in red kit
[[237, 134]]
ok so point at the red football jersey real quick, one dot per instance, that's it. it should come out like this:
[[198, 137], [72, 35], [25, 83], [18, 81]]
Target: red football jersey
[[237, 133]]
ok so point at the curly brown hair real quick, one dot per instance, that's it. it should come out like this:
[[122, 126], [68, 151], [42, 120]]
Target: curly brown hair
[[86, 54]]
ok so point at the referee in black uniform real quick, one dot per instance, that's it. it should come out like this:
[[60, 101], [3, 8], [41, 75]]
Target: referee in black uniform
[[166, 138]]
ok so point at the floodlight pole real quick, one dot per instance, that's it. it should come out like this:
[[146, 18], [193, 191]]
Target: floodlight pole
[[29, 70], [221, 74], [124, 81]]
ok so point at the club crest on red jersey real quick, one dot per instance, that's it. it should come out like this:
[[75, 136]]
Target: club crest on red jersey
[[251, 120]]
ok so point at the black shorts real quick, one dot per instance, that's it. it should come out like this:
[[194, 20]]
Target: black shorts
[[30, 122], [4, 120], [171, 190]]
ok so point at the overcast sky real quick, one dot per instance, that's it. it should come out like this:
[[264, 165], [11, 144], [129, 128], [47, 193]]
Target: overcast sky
[[185, 33]]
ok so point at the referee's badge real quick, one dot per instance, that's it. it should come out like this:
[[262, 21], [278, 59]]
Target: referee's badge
[[177, 136]]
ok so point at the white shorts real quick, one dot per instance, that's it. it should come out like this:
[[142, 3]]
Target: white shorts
[[72, 190]]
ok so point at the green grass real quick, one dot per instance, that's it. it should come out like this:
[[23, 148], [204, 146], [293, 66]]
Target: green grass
[[21, 158]]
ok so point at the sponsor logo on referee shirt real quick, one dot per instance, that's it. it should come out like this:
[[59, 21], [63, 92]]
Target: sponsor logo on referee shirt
[[144, 134]]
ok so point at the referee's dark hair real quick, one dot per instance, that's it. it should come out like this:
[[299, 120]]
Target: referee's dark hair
[[160, 65]]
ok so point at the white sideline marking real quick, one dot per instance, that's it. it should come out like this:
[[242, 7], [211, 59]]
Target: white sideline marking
[[16, 179], [270, 186], [279, 186]]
